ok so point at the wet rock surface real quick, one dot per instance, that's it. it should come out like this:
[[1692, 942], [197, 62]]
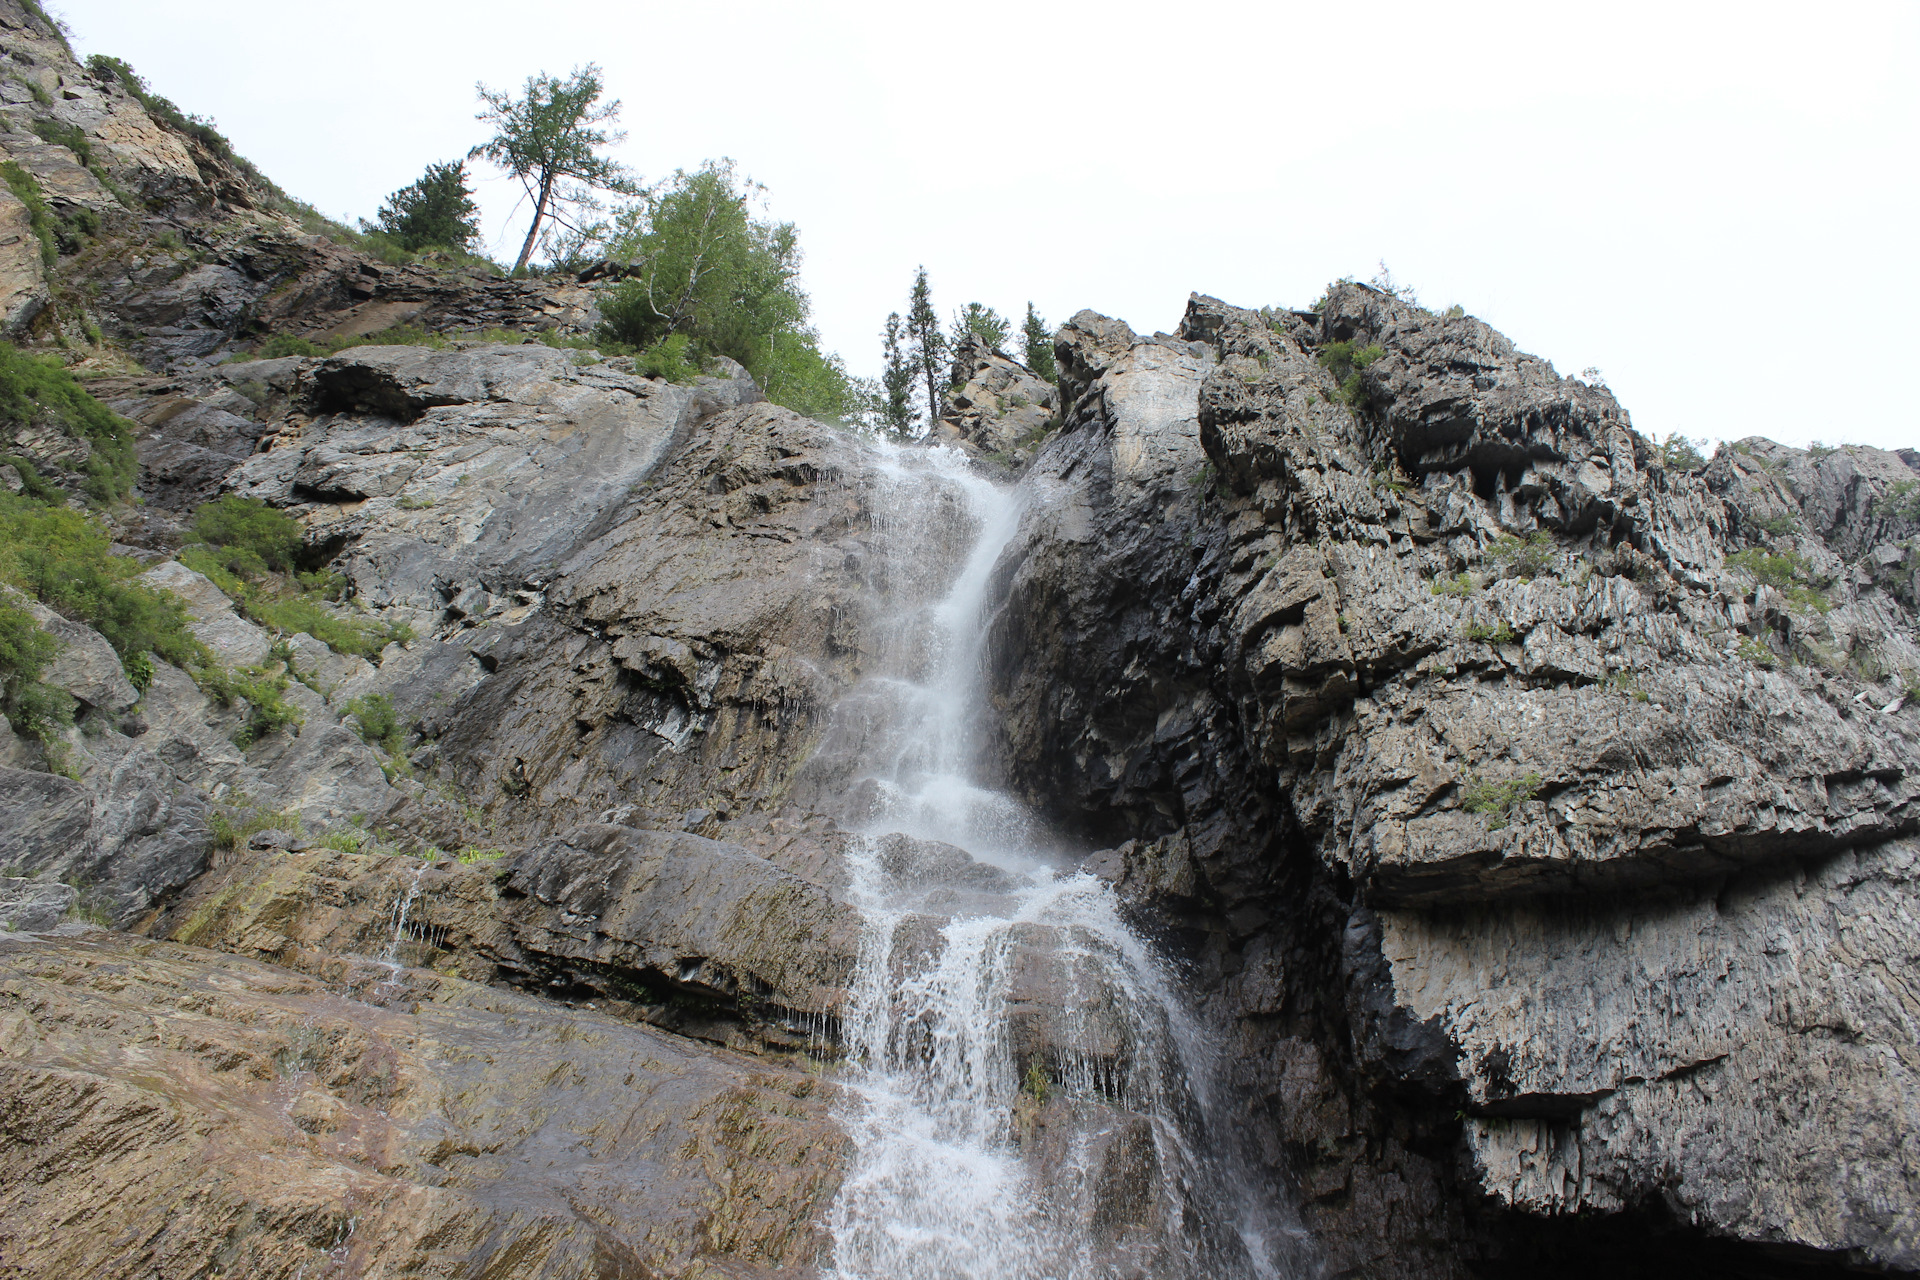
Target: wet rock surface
[[240, 1116]]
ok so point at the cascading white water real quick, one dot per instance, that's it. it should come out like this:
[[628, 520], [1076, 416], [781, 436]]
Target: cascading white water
[[1027, 1097]]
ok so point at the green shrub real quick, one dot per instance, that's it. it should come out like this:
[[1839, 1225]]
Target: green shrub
[[39, 390], [1786, 573], [1459, 586], [26, 189], [1677, 453], [1499, 633], [1756, 652], [1496, 800], [472, 854], [1774, 570], [1347, 365], [1901, 501], [1777, 526], [249, 537], [247, 549], [262, 689], [62, 134], [377, 722], [1526, 558], [65, 560], [34, 709], [669, 359]]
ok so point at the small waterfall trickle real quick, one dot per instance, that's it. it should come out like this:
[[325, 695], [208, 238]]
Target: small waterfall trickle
[[1029, 1099]]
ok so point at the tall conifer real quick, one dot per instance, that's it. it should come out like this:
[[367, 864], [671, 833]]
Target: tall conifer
[[1039, 345], [927, 345], [897, 379]]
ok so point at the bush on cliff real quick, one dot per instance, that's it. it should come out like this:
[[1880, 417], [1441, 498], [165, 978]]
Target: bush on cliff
[[248, 550], [38, 391], [702, 266], [437, 211], [65, 560]]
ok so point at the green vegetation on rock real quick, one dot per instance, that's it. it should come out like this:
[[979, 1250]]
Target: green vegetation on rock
[[1347, 365], [247, 549], [65, 560], [38, 391], [702, 267], [32, 708], [1496, 801]]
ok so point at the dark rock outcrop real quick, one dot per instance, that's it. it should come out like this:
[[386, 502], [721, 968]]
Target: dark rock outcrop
[[1499, 749]]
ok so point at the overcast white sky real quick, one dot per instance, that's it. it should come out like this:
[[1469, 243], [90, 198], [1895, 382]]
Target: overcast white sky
[[1715, 204]]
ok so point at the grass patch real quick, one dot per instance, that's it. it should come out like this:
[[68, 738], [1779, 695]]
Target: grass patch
[[231, 826], [1460, 586], [248, 549], [472, 854], [1756, 652], [38, 391]]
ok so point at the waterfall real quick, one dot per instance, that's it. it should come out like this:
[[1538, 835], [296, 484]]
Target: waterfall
[[1027, 1097]]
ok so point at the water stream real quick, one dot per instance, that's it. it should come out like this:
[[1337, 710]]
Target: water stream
[[1028, 1098]]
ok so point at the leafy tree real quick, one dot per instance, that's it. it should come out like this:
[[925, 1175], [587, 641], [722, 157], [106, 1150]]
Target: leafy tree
[[984, 324], [437, 211], [926, 345], [548, 140], [1039, 345], [897, 413], [700, 264], [701, 268]]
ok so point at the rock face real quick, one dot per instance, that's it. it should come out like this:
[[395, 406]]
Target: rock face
[[180, 248], [243, 1118], [998, 406], [1533, 791]]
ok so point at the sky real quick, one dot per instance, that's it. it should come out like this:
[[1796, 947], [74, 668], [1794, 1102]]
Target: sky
[[1714, 205]]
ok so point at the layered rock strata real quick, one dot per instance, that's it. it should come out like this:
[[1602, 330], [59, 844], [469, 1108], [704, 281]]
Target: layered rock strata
[[1540, 811]]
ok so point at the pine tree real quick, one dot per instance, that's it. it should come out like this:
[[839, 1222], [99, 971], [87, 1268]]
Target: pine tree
[[1039, 346], [927, 346], [436, 212], [547, 140], [897, 380], [987, 326]]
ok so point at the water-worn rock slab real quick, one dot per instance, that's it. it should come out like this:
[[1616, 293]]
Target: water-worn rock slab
[[468, 1131]]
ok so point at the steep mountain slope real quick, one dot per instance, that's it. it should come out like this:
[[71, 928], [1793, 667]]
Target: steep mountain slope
[[1532, 820]]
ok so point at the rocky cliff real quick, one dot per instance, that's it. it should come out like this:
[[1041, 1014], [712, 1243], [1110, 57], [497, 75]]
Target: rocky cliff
[[1540, 815], [1530, 817]]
